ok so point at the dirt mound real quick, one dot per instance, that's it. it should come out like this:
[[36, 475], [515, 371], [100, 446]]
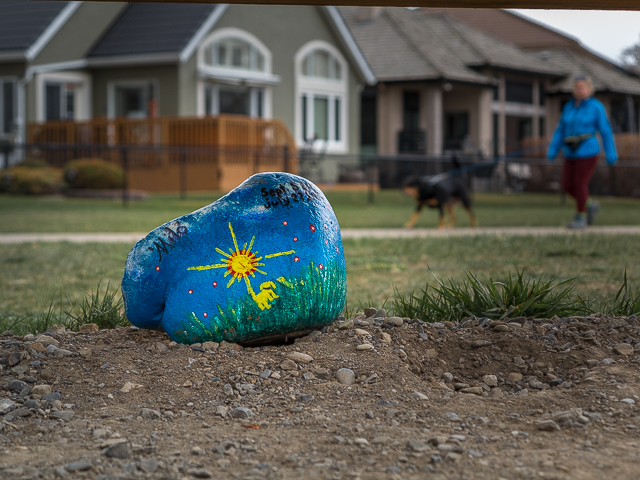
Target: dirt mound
[[371, 397]]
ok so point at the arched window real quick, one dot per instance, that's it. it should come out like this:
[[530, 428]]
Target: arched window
[[235, 71], [321, 97]]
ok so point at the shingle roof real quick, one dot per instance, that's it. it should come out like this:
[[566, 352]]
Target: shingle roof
[[21, 23], [400, 44], [605, 78], [145, 28]]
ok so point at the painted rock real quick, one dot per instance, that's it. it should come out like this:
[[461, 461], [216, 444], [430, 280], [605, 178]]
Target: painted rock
[[263, 261]]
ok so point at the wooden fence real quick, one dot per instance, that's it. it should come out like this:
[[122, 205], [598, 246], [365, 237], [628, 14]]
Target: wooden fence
[[217, 153], [627, 146]]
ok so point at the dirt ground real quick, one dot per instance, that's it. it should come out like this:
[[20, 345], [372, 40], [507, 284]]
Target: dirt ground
[[523, 399]]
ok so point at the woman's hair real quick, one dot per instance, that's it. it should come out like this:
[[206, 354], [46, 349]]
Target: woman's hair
[[586, 79]]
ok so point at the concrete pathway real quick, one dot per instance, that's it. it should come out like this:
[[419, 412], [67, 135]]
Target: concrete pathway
[[346, 233]]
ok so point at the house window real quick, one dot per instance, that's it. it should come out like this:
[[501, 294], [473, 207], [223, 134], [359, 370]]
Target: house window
[[234, 53], [135, 99], [60, 101], [234, 100], [519, 92], [456, 130], [7, 106], [321, 85]]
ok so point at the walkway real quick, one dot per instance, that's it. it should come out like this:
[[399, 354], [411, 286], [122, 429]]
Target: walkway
[[346, 233]]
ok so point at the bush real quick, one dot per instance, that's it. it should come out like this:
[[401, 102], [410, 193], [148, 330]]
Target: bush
[[30, 181], [93, 173]]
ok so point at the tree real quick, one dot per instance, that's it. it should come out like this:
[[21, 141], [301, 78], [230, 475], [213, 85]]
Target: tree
[[630, 57]]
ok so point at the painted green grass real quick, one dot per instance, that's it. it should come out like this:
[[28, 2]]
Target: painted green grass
[[34, 277], [391, 209], [313, 300]]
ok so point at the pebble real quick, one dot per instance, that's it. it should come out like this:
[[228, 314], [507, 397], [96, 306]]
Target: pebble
[[447, 377], [417, 445], [6, 406], [149, 414], [480, 343], [89, 328], [500, 328], [345, 376], [514, 377], [490, 380], [630, 401], [397, 321], [421, 396], [199, 473], [547, 425], [300, 357], [472, 390], [370, 312], [78, 467], [623, 349], [119, 450], [321, 373], [241, 412], [365, 347], [41, 390], [62, 415], [386, 338], [288, 365], [221, 411], [359, 331], [265, 374]]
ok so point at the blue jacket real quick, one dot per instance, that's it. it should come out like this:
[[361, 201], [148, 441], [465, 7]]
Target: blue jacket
[[588, 117]]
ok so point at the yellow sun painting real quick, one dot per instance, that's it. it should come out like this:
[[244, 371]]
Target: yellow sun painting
[[242, 263]]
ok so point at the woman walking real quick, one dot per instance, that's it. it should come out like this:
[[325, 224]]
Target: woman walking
[[581, 118]]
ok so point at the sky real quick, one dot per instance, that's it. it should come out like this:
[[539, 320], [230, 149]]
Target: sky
[[607, 33]]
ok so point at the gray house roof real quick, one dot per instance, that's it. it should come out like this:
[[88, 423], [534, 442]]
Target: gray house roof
[[606, 78], [145, 28], [22, 23], [402, 45]]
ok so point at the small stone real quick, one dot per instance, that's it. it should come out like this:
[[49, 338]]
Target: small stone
[[265, 374], [210, 345], [288, 365], [241, 412], [417, 446], [322, 373], [78, 467], [46, 374], [99, 433], [396, 321], [630, 401], [149, 414], [500, 328], [386, 338], [623, 349], [197, 450], [345, 376], [6, 406], [370, 312], [62, 415], [148, 465], [480, 343], [556, 382], [38, 347], [222, 411], [447, 377], [473, 390], [514, 377], [381, 313], [421, 396], [16, 357], [55, 396], [346, 325], [361, 441], [547, 426], [495, 393], [199, 473], [490, 380], [120, 450], [85, 352], [46, 340], [41, 390], [300, 357], [364, 347], [17, 386], [89, 328], [360, 331], [128, 386]]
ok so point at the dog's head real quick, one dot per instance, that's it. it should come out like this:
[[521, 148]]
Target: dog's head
[[412, 185]]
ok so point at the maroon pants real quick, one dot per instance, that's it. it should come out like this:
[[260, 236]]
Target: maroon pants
[[576, 174]]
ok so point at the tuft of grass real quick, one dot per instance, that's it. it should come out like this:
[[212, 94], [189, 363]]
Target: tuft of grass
[[625, 303], [104, 309], [515, 296]]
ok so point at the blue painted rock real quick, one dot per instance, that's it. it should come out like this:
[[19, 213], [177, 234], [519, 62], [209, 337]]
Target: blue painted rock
[[263, 261]]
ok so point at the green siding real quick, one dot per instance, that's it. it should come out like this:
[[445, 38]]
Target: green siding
[[74, 40]]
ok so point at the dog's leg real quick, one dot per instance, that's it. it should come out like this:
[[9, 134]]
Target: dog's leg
[[413, 219], [451, 210], [472, 217]]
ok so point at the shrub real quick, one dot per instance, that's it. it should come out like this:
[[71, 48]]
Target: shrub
[[93, 173], [30, 181]]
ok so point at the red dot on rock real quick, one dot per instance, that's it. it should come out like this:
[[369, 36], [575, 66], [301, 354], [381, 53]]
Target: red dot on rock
[[157, 268], [326, 242], [215, 284], [296, 259], [285, 223], [190, 292], [312, 228], [205, 314], [337, 250], [320, 266], [295, 239]]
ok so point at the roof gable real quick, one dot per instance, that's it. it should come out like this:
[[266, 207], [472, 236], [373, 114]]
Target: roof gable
[[22, 23], [151, 28]]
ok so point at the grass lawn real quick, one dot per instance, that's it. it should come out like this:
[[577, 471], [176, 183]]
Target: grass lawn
[[391, 209], [31, 275]]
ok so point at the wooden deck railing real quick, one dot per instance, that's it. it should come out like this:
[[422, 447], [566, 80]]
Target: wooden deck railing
[[228, 148], [627, 146]]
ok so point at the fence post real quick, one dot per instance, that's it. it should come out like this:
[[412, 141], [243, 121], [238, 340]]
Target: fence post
[[183, 174], [125, 183]]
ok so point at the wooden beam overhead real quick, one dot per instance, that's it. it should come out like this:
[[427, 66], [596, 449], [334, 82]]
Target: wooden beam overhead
[[542, 4]]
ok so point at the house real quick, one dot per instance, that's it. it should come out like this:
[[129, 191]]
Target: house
[[448, 79], [88, 60]]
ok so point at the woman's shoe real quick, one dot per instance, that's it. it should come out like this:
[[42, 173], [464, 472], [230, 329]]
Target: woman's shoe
[[592, 210], [578, 222]]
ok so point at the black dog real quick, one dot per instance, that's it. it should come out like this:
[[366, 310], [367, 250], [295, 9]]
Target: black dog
[[441, 192]]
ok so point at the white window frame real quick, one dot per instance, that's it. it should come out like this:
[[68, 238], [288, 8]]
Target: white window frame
[[16, 115], [137, 83], [82, 108], [322, 87], [213, 77]]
